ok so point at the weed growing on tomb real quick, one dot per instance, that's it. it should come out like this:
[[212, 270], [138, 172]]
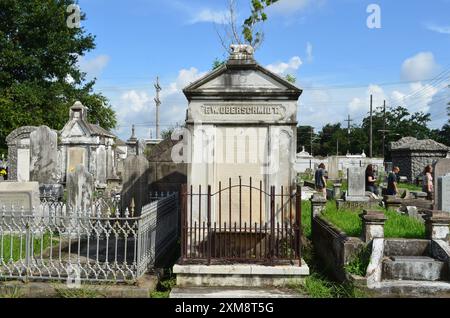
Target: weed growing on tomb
[[318, 286], [165, 285], [359, 263], [10, 292]]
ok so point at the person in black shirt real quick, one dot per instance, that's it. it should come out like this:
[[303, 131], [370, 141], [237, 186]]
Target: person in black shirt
[[320, 180], [392, 188], [370, 180]]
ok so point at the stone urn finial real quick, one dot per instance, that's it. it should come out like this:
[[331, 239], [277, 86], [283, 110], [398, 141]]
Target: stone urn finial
[[241, 52]]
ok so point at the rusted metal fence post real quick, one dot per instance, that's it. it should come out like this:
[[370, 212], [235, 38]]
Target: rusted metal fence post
[[183, 231], [298, 222], [272, 224], [209, 236]]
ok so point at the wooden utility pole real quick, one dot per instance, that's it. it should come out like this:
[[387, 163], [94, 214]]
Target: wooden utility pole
[[312, 136], [158, 104], [371, 128]]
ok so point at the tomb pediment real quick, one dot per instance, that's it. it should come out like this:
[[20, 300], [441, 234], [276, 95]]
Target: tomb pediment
[[244, 80], [75, 128]]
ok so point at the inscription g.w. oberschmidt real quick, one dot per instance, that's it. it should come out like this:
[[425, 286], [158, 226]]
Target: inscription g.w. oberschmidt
[[241, 110]]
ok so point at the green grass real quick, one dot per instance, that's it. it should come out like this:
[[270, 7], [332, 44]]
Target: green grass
[[318, 286], [403, 226], [165, 285], [346, 220], [344, 185], [17, 250], [410, 187], [397, 225], [359, 263], [306, 219], [10, 292]]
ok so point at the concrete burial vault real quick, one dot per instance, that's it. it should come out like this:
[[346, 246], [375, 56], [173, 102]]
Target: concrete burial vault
[[242, 120], [241, 124]]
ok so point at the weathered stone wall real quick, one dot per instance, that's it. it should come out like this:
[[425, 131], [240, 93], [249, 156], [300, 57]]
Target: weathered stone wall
[[412, 163], [334, 248], [165, 175], [17, 139]]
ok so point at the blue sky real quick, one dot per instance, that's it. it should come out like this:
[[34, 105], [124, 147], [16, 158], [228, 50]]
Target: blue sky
[[336, 58]]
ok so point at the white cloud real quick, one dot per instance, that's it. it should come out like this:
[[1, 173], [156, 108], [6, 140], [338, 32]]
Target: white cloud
[[209, 15], [138, 106], [359, 106], [420, 67], [93, 67], [438, 29], [417, 98], [309, 52], [282, 68], [137, 101]]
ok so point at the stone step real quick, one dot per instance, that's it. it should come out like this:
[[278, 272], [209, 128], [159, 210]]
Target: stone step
[[232, 292], [411, 289], [415, 268]]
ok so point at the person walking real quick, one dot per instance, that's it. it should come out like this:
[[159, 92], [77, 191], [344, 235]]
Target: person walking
[[370, 180], [427, 182], [320, 180], [392, 188]]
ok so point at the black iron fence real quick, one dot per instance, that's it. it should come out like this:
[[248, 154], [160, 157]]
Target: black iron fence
[[241, 224]]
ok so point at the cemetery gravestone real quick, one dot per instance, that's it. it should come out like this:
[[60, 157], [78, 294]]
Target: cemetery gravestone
[[444, 193], [440, 168], [135, 183], [356, 185], [80, 187], [19, 153], [44, 155], [15, 195], [23, 165], [44, 162]]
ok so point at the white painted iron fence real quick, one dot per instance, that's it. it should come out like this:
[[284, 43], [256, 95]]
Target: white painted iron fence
[[95, 245]]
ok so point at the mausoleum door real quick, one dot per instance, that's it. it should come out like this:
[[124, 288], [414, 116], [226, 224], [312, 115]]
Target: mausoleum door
[[238, 169]]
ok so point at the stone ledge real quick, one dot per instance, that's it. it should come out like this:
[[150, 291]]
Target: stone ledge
[[230, 292], [141, 289], [242, 269]]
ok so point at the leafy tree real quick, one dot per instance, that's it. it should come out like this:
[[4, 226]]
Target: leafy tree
[[443, 135], [39, 75], [217, 63], [399, 123], [291, 78], [252, 34], [304, 139]]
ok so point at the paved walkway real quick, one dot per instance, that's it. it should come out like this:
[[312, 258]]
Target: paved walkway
[[232, 292]]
